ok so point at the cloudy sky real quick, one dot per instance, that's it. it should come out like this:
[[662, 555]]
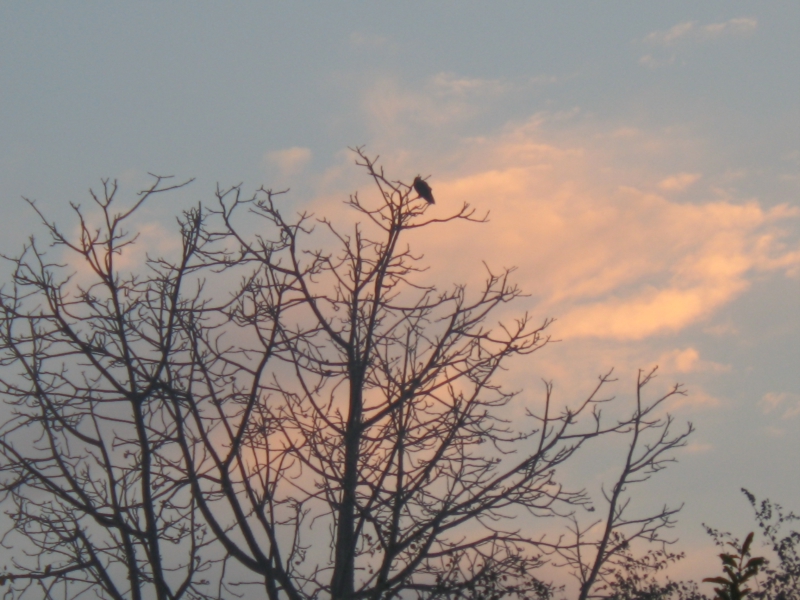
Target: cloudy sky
[[640, 163]]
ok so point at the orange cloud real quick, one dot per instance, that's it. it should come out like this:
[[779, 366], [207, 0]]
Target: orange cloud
[[610, 261], [687, 361], [648, 313], [579, 211]]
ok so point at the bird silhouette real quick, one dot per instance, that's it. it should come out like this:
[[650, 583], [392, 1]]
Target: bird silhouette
[[423, 189]]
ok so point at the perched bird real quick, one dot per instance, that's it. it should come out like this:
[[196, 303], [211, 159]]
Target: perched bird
[[423, 189]]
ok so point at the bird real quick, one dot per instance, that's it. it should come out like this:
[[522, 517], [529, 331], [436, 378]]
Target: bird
[[423, 189]]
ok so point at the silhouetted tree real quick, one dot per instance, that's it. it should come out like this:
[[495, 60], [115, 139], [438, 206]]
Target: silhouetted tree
[[91, 474], [282, 405], [738, 567], [782, 579], [608, 561]]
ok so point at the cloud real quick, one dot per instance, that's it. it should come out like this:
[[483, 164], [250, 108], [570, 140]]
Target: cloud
[[668, 44], [688, 361], [696, 399], [649, 61], [693, 31], [444, 102], [585, 212], [647, 313], [785, 403], [676, 32], [678, 182], [290, 161], [445, 99], [392, 109], [740, 26], [611, 261]]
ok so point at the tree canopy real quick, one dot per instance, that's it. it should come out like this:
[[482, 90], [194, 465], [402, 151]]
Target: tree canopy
[[265, 413]]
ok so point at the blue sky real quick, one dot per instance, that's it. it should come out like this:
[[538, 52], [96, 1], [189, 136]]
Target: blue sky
[[641, 163]]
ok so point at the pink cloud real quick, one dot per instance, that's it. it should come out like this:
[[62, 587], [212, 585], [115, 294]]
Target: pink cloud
[[610, 261], [687, 360], [579, 211]]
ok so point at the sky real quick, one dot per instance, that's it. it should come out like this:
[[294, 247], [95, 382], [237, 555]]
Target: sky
[[639, 162]]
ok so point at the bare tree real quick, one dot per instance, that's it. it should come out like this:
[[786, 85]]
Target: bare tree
[[326, 427], [89, 449], [604, 563]]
